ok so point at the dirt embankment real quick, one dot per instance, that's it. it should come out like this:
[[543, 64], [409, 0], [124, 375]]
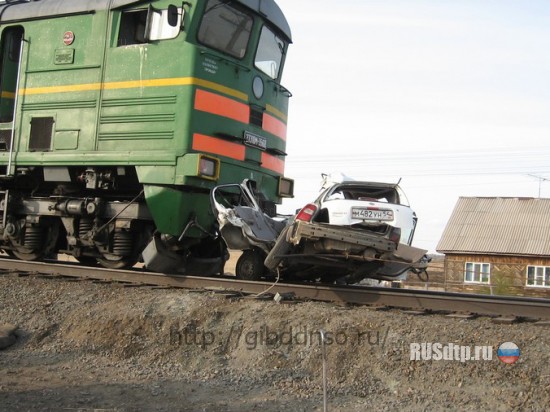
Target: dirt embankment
[[88, 346]]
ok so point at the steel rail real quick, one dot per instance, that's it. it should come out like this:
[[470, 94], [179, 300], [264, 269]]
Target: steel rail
[[521, 307]]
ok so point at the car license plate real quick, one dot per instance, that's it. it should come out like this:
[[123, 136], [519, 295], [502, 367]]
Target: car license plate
[[371, 214]]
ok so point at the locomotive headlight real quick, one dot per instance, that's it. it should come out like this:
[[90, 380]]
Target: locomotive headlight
[[286, 187], [258, 87], [209, 167]]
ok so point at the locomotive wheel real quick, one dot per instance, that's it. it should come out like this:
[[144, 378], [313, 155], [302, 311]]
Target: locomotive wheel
[[117, 262], [123, 246], [43, 242], [250, 265], [24, 254]]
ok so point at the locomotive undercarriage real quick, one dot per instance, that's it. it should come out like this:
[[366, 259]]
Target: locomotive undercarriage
[[112, 233], [84, 219]]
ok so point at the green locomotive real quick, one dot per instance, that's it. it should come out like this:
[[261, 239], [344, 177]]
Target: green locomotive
[[117, 118]]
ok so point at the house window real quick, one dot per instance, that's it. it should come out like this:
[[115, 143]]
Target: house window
[[538, 276], [477, 272]]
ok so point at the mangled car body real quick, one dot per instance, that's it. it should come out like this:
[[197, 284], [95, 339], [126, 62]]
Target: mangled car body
[[353, 230]]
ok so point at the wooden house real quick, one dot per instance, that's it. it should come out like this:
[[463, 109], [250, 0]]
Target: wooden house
[[498, 246]]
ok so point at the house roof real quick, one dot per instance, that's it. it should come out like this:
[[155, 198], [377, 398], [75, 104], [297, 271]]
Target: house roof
[[497, 225]]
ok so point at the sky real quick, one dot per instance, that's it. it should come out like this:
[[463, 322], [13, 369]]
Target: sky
[[450, 96]]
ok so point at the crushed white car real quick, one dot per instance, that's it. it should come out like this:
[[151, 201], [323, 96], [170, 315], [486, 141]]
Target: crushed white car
[[352, 231]]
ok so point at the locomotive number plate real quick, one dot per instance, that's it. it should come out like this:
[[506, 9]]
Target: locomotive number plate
[[253, 140], [371, 214]]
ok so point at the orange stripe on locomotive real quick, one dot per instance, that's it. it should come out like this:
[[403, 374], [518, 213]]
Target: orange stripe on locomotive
[[221, 106], [203, 143], [274, 126], [273, 163]]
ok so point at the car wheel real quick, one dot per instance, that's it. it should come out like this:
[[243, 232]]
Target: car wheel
[[250, 265]]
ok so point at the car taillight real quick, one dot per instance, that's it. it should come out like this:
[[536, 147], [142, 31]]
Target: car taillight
[[395, 235], [306, 213]]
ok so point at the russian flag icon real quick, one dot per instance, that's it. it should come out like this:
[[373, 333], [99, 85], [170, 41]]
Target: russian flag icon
[[508, 352]]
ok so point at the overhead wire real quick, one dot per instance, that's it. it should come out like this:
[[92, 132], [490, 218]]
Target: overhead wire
[[477, 162]]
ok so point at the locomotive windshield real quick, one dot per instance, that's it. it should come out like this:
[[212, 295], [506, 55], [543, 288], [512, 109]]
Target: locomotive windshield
[[270, 53], [225, 28]]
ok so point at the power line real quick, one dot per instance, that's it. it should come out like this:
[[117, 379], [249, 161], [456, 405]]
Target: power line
[[438, 155], [441, 163]]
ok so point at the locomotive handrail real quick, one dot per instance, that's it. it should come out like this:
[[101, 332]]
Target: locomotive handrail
[[275, 151], [282, 88], [15, 103], [82, 67]]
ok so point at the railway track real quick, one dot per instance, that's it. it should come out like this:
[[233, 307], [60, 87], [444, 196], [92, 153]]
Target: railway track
[[511, 307]]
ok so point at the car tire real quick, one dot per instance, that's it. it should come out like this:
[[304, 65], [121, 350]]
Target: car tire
[[250, 265]]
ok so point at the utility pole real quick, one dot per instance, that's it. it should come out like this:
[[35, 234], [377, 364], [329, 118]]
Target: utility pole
[[541, 179]]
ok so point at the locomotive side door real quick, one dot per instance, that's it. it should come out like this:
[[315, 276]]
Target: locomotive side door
[[10, 62]]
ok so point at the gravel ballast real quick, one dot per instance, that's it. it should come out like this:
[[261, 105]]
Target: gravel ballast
[[84, 345]]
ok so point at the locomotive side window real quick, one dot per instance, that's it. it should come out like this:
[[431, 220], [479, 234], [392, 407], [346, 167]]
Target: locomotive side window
[[141, 26], [225, 28], [132, 27], [270, 53]]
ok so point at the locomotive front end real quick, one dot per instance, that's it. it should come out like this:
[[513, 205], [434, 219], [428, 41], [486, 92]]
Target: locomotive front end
[[237, 115]]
